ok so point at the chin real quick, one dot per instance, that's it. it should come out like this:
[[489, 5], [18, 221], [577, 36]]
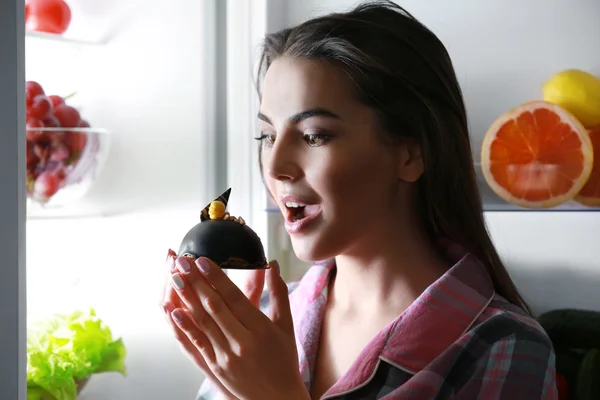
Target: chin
[[311, 249]]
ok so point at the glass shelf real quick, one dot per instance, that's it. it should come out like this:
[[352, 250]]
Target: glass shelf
[[63, 39], [492, 202]]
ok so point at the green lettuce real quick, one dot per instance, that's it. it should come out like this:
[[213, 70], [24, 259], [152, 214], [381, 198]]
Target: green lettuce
[[65, 349]]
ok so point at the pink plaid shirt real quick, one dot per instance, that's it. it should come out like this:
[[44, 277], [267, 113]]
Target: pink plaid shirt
[[458, 340]]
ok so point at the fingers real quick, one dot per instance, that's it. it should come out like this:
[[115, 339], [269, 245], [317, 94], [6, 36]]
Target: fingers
[[188, 347], [206, 306], [168, 294], [281, 313], [195, 339], [254, 285], [231, 295], [169, 266]]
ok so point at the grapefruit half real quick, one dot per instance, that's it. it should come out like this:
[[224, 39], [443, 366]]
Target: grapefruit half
[[537, 155]]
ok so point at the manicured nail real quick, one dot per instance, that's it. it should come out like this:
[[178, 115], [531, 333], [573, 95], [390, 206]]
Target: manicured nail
[[177, 281], [276, 266], [177, 315], [183, 265], [203, 265]]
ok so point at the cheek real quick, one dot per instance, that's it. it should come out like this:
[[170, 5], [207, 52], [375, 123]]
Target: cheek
[[352, 180], [267, 179], [270, 185]]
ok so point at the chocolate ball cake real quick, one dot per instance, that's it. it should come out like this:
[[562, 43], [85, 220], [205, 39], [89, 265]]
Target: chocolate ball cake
[[224, 239]]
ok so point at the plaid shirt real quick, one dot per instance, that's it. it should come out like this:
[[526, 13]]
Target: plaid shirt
[[458, 340]]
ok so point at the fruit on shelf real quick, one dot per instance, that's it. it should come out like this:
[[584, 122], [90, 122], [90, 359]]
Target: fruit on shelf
[[577, 92], [537, 155], [590, 194], [62, 149], [48, 16]]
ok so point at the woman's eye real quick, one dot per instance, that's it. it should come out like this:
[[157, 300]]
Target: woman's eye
[[316, 139], [266, 139]]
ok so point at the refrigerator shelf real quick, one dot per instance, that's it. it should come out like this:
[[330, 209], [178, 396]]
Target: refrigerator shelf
[[62, 39]]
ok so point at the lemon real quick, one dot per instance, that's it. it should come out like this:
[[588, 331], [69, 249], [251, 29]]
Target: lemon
[[578, 92]]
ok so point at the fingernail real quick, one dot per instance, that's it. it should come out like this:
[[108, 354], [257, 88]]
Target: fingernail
[[183, 265], [177, 281], [177, 315], [203, 265], [276, 265]]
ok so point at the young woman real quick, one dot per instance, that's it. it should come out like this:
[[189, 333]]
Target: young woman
[[365, 148]]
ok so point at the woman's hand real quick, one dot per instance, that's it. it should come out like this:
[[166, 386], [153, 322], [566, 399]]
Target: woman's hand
[[252, 356], [170, 301]]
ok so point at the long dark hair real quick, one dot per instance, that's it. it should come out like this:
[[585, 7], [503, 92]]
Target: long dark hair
[[402, 71]]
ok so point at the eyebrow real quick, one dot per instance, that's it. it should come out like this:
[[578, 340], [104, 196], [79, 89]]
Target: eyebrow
[[312, 112]]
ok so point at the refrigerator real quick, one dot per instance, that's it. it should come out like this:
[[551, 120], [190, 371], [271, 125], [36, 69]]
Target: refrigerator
[[168, 91]]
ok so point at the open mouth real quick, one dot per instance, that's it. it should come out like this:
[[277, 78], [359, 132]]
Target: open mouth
[[295, 211], [298, 211]]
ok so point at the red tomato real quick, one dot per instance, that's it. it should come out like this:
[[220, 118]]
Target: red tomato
[[50, 16]]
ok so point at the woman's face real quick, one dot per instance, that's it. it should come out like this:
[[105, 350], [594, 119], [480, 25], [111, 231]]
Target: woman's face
[[324, 158]]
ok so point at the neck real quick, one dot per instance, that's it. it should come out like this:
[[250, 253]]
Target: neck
[[387, 271]]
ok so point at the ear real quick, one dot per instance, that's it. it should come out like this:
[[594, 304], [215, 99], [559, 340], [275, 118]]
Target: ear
[[410, 161]]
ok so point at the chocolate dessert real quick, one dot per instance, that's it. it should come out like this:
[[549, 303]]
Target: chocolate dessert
[[224, 239]]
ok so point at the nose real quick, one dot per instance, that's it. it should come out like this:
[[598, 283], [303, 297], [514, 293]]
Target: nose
[[281, 161]]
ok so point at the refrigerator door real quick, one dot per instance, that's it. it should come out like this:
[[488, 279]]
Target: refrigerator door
[[12, 201]]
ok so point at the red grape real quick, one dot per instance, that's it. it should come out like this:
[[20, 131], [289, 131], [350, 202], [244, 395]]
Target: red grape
[[32, 158], [67, 116], [60, 173], [77, 140], [40, 151], [33, 122], [46, 184], [32, 89], [56, 100], [41, 107], [52, 122], [59, 152], [32, 133]]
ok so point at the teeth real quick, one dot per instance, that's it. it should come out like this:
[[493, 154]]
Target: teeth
[[291, 204]]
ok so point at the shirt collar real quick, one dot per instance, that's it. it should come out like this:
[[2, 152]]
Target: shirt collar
[[455, 301]]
